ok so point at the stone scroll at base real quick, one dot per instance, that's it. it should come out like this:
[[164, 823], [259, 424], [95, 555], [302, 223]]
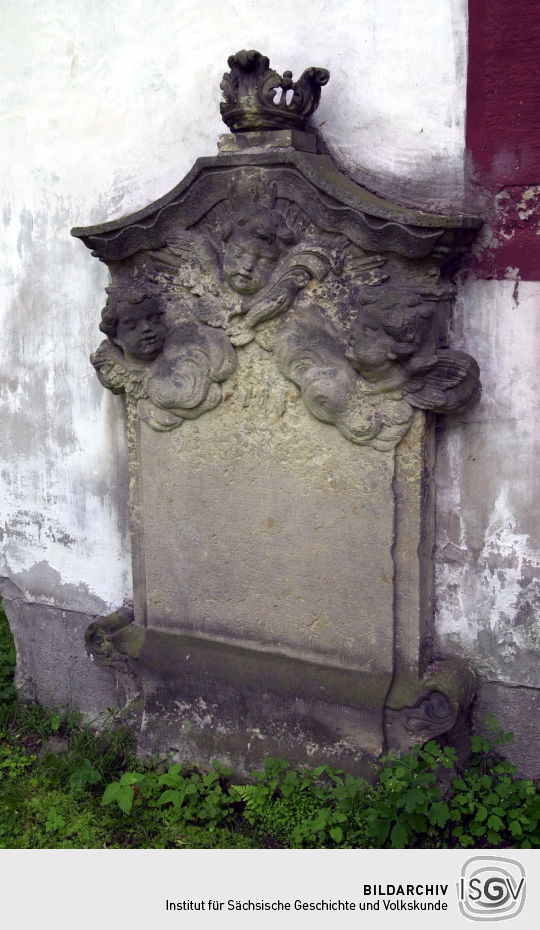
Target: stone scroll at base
[[279, 334]]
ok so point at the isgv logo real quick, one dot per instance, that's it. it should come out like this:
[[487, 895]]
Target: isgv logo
[[491, 888]]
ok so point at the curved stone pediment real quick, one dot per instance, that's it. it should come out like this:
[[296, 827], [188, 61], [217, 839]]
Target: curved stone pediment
[[282, 248]]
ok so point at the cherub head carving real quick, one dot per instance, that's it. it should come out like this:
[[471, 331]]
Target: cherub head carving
[[254, 242], [389, 330], [136, 324]]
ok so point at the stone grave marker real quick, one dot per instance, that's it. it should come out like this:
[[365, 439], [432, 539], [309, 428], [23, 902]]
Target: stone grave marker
[[279, 334]]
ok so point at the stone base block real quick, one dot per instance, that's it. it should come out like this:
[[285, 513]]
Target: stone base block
[[207, 700], [53, 667], [517, 710]]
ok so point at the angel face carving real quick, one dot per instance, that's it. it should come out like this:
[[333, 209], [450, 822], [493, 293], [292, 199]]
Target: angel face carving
[[136, 326], [253, 246], [173, 373], [388, 332], [369, 390], [222, 281]]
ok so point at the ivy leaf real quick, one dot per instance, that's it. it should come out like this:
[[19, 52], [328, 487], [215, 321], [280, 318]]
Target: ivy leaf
[[337, 834]]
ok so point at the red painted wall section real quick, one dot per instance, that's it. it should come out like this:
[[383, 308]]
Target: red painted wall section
[[503, 130]]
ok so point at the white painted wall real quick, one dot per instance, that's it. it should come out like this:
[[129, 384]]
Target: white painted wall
[[488, 482], [105, 106]]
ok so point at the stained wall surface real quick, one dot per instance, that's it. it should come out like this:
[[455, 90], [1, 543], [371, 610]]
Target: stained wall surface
[[104, 112], [488, 552]]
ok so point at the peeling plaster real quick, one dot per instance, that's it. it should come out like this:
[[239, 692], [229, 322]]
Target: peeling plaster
[[488, 486], [509, 246], [103, 113], [50, 588], [490, 608]]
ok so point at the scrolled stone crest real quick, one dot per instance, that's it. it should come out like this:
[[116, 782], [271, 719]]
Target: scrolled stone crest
[[250, 90]]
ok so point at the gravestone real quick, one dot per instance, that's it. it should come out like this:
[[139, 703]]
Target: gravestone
[[279, 334]]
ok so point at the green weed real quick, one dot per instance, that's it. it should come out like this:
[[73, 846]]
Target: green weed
[[64, 786]]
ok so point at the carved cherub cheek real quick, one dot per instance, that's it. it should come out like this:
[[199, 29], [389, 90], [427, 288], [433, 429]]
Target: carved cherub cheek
[[372, 349], [248, 255], [367, 336], [247, 271]]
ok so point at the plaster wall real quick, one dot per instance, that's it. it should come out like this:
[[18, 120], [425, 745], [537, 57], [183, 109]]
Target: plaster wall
[[104, 110], [488, 526], [488, 486]]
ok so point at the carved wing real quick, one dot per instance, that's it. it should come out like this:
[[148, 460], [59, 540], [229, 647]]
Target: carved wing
[[186, 246], [446, 382], [189, 262], [116, 374], [367, 268]]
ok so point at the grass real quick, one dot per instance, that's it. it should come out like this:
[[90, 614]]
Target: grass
[[64, 786]]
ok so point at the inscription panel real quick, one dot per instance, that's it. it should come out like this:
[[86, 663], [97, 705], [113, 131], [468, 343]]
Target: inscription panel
[[261, 524]]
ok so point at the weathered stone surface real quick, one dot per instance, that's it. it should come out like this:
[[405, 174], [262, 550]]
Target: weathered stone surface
[[204, 699], [440, 701], [516, 710], [263, 141], [261, 524], [52, 665]]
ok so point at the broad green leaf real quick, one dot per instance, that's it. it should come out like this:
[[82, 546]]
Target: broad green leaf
[[494, 822], [125, 799], [398, 836], [439, 813], [132, 778], [481, 813], [111, 793]]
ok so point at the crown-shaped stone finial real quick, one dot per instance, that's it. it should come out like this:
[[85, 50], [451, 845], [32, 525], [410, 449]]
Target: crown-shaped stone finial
[[250, 87]]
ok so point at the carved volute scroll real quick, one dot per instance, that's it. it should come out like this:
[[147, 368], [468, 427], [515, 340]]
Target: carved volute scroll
[[269, 274]]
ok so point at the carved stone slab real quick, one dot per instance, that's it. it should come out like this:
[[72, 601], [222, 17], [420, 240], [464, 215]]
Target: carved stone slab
[[279, 333]]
